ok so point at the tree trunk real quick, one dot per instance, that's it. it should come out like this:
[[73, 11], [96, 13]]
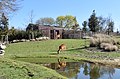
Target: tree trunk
[[32, 35]]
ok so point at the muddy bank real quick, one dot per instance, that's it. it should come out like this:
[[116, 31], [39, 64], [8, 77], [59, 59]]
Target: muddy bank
[[112, 62], [92, 59], [115, 62], [104, 57]]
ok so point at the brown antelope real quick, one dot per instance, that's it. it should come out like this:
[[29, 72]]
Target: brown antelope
[[61, 48], [58, 36]]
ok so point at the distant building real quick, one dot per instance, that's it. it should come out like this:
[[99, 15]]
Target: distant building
[[56, 32], [51, 31]]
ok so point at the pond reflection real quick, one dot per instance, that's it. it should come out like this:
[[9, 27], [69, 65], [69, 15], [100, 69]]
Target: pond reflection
[[84, 70], [77, 70], [61, 65]]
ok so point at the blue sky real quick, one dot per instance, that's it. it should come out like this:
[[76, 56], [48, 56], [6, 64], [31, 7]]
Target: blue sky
[[82, 9]]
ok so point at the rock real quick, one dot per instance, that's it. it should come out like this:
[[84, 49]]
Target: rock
[[2, 52], [2, 46], [117, 60]]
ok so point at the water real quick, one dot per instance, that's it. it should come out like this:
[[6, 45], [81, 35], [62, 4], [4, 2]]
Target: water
[[77, 70], [84, 70]]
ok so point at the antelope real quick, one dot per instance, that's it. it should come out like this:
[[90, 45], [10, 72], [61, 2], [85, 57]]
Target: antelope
[[58, 36], [61, 48]]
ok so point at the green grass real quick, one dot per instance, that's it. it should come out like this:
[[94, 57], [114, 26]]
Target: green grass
[[43, 60], [13, 68], [40, 48], [34, 50]]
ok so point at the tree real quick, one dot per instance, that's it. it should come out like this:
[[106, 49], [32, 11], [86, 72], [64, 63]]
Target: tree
[[33, 28], [93, 22], [21, 34], [69, 21], [8, 6], [4, 27], [31, 25], [110, 27], [84, 26], [45, 21], [102, 23], [60, 20], [75, 23], [84, 30], [30, 29], [117, 31], [4, 24], [12, 34], [106, 24]]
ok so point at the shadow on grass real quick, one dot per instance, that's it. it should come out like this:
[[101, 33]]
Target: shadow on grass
[[55, 53], [76, 49]]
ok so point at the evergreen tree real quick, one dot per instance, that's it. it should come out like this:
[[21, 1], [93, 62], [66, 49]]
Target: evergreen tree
[[84, 26], [4, 27], [93, 22]]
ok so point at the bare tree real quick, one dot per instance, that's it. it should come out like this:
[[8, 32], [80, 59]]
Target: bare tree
[[46, 21], [31, 22], [8, 6]]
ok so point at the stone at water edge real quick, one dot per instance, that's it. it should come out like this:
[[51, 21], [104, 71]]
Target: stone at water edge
[[2, 52]]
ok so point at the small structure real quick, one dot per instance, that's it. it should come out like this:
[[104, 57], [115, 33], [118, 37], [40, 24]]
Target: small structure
[[53, 32], [72, 34], [56, 32]]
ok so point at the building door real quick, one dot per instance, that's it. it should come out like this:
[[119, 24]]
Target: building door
[[51, 34], [57, 34]]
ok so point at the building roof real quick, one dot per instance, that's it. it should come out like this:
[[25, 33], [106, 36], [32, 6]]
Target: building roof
[[44, 27]]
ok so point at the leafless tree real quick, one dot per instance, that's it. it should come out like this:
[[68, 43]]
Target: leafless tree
[[8, 6]]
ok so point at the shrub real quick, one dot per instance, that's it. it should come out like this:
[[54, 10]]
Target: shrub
[[97, 39], [111, 48], [105, 42], [103, 45]]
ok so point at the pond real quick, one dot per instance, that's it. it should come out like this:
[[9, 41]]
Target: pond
[[77, 70]]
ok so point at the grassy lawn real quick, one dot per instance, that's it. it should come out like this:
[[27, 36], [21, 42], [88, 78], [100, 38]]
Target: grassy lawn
[[11, 69], [75, 48], [41, 47], [45, 49]]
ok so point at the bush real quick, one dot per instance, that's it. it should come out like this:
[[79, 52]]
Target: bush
[[97, 39], [105, 42], [111, 48], [103, 45]]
